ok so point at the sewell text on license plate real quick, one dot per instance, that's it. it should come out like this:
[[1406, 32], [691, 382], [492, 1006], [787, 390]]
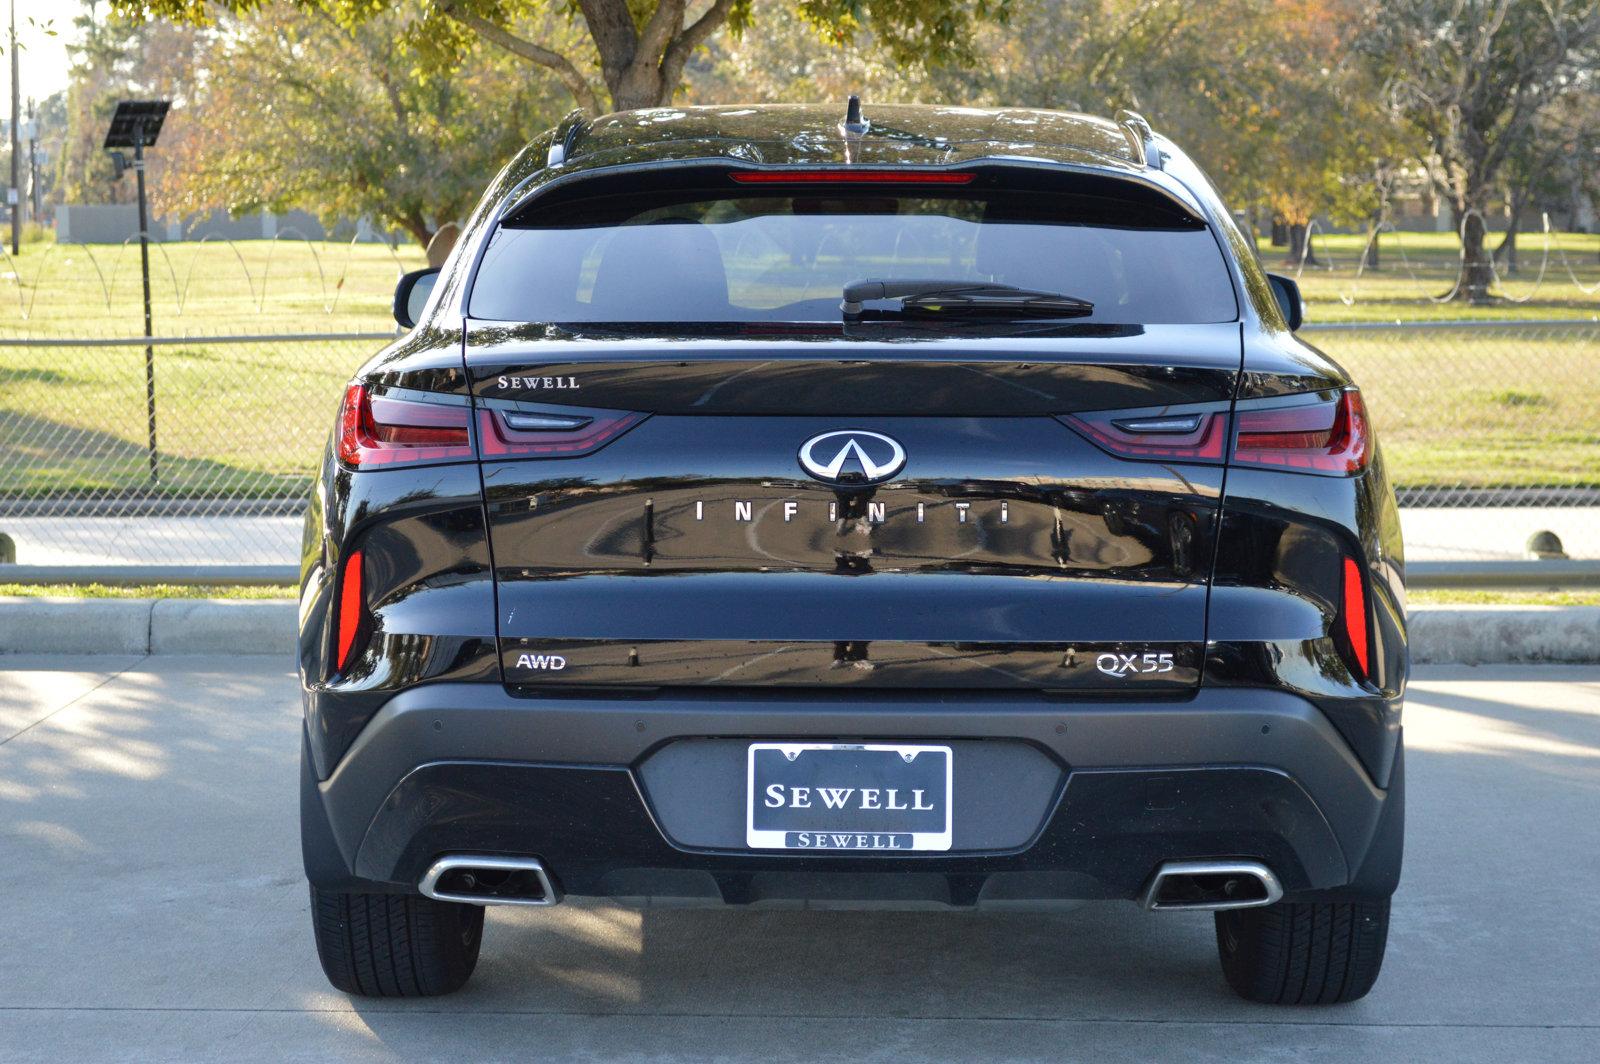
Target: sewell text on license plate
[[849, 797]]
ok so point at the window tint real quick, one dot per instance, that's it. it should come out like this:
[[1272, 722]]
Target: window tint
[[787, 258]]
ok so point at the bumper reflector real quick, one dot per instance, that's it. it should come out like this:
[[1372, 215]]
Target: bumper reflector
[[1355, 615], [351, 606]]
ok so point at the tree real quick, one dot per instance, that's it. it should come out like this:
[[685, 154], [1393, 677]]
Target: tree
[[1473, 77], [1260, 92], [1317, 132], [640, 47], [298, 110], [118, 59], [790, 61], [1550, 168]]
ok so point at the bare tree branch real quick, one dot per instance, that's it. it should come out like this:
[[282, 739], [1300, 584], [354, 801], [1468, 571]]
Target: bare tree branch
[[684, 44], [563, 67], [659, 31]]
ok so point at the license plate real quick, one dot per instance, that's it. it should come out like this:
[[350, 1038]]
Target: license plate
[[872, 798]]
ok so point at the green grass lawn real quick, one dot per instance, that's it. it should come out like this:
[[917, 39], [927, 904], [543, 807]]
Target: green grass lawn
[[1470, 597], [256, 286], [144, 591], [202, 287], [1479, 407], [1417, 266], [231, 420], [1451, 406]]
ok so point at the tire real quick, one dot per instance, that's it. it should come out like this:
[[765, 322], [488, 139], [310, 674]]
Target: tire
[[1304, 953], [395, 945]]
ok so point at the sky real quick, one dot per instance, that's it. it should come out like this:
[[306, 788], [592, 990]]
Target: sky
[[44, 58]]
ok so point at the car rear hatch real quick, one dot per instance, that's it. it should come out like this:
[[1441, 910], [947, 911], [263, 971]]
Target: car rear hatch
[[927, 513]]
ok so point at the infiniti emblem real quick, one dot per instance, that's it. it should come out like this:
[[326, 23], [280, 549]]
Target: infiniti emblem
[[852, 456]]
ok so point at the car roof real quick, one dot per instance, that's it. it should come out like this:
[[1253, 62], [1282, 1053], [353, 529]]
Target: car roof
[[800, 134]]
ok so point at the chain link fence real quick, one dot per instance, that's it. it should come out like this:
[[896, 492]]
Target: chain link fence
[[285, 284], [1491, 431], [237, 426]]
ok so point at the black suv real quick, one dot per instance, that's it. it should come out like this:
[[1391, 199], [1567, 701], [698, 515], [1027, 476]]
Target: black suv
[[781, 504]]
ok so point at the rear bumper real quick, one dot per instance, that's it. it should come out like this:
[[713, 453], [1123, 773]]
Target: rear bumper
[[1066, 800]]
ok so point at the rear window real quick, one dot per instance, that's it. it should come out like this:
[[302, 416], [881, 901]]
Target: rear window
[[787, 258]]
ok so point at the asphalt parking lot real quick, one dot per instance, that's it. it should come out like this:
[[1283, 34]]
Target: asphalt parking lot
[[154, 910]]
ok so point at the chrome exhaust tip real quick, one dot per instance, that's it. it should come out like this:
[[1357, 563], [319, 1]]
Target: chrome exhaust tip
[[489, 881], [1196, 886]]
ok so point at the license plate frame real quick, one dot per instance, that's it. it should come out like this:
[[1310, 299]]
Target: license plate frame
[[828, 828]]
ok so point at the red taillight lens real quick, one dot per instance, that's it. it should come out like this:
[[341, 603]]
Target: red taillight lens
[[501, 438], [377, 430], [1355, 615], [1330, 438], [864, 177], [1179, 437], [352, 607]]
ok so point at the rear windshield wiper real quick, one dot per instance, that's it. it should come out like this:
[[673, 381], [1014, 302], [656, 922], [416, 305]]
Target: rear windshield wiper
[[965, 297]]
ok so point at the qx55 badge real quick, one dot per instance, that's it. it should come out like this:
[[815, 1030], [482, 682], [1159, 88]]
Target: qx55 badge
[[852, 456], [1120, 664]]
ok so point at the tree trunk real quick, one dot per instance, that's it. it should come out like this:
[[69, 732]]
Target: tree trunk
[[636, 93], [640, 65], [1477, 272], [418, 228], [1280, 232], [1369, 257], [1300, 245], [1507, 251]]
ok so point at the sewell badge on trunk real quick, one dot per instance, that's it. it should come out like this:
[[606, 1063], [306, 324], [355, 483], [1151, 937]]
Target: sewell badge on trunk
[[860, 798]]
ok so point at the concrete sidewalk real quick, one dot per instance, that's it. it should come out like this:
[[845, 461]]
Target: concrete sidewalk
[[156, 911]]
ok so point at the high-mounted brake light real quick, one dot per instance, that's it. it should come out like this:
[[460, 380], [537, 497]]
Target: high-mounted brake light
[[845, 177], [513, 434], [1329, 438], [376, 430], [1354, 615], [352, 607], [1181, 437]]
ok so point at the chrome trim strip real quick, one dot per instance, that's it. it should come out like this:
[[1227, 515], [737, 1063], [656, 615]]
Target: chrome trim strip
[[524, 422], [1175, 424], [430, 882], [1256, 869]]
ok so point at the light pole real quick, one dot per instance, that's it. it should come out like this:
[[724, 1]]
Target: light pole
[[15, 194], [136, 124]]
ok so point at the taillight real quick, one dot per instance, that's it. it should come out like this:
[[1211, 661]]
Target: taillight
[[352, 607], [1330, 438], [377, 430], [1325, 436], [1354, 615], [1173, 437], [517, 434]]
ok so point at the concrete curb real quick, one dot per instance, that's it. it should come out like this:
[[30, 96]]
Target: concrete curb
[[1464, 635], [223, 626], [74, 626], [1495, 635], [146, 626]]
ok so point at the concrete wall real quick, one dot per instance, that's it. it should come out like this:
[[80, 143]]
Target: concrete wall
[[115, 223], [109, 223]]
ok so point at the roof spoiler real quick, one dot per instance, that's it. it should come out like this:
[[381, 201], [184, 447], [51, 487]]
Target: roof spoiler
[[562, 182]]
